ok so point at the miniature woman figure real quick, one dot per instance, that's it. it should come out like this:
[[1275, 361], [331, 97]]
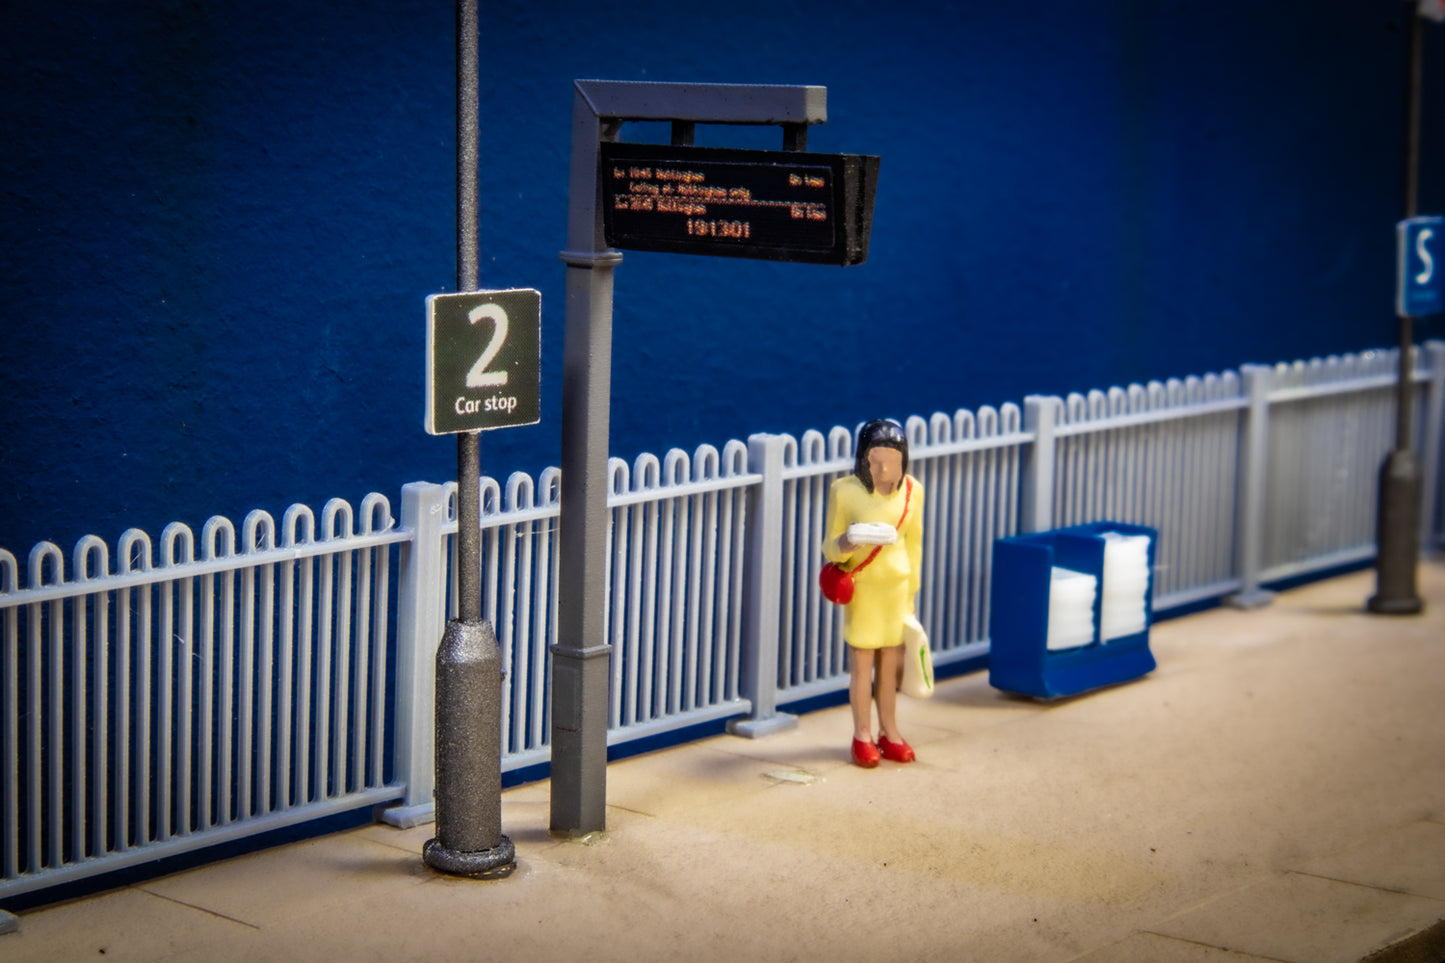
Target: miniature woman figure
[[875, 529]]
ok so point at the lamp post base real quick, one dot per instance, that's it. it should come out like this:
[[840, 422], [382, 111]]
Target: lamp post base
[[495, 863], [1398, 531]]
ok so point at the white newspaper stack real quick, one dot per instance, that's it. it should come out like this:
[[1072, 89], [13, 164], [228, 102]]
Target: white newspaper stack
[[1071, 608], [1126, 580]]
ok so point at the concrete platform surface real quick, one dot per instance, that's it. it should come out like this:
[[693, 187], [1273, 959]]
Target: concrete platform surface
[[1274, 791]]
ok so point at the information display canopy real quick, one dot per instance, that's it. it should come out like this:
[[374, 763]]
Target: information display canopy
[[772, 205], [484, 360], [1421, 282]]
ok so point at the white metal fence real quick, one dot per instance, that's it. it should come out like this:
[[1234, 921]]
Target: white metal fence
[[1163, 455], [162, 704], [1331, 423], [174, 701]]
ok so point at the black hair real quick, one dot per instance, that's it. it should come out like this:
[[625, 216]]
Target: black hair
[[880, 433]]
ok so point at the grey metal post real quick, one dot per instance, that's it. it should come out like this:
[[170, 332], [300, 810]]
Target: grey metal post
[[1397, 524], [421, 594], [1431, 453], [762, 597], [1036, 513], [469, 840], [1251, 490], [580, 655]]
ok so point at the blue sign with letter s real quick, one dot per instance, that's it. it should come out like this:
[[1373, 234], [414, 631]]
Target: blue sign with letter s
[[1421, 264]]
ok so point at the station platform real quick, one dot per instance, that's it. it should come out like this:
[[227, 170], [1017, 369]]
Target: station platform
[[1275, 790]]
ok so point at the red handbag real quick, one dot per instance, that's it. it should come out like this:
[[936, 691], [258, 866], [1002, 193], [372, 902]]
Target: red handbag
[[836, 582]]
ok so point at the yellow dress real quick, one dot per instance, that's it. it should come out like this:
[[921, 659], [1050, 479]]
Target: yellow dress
[[884, 591]]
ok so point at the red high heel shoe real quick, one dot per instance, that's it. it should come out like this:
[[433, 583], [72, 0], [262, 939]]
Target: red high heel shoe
[[899, 751], [865, 754]]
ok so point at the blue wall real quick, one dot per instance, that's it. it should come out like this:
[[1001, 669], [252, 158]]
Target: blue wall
[[221, 221]]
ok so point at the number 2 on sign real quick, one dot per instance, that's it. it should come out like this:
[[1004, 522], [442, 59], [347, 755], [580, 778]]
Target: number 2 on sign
[[478, 376]]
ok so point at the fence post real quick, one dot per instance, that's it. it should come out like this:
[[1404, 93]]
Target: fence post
[[420, 604], [762, 598], [1433, 426], [1250, 491], [1036, 512]]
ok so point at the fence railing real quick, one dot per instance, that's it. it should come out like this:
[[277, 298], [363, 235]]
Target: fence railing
[[1165, 455], [182, 699], [1331, 423], [165, 704]]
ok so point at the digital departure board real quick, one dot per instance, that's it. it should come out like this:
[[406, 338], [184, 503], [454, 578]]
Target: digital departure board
[[774, 205]]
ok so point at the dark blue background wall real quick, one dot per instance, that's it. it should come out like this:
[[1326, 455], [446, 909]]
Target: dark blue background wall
[[221, 220]]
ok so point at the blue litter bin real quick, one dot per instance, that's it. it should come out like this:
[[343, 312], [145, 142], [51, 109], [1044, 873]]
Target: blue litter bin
[[1058, 625]]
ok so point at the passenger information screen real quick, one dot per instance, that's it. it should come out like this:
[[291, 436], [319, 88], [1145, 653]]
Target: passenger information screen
[[776, 205]]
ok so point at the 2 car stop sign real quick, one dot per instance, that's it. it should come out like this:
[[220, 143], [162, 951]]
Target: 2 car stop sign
[[484, 360]]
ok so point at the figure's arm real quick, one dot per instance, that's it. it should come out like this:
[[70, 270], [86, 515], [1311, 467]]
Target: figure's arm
[[837, 547], [913, 540]]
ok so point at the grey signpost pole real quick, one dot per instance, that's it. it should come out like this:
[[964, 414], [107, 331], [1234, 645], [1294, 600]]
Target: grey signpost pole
[[469, 601], [1398, 515], [469, 840], [580, 655]]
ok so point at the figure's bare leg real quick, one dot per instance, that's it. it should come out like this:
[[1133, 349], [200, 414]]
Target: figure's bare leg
[[889, 659], [860, 692]]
